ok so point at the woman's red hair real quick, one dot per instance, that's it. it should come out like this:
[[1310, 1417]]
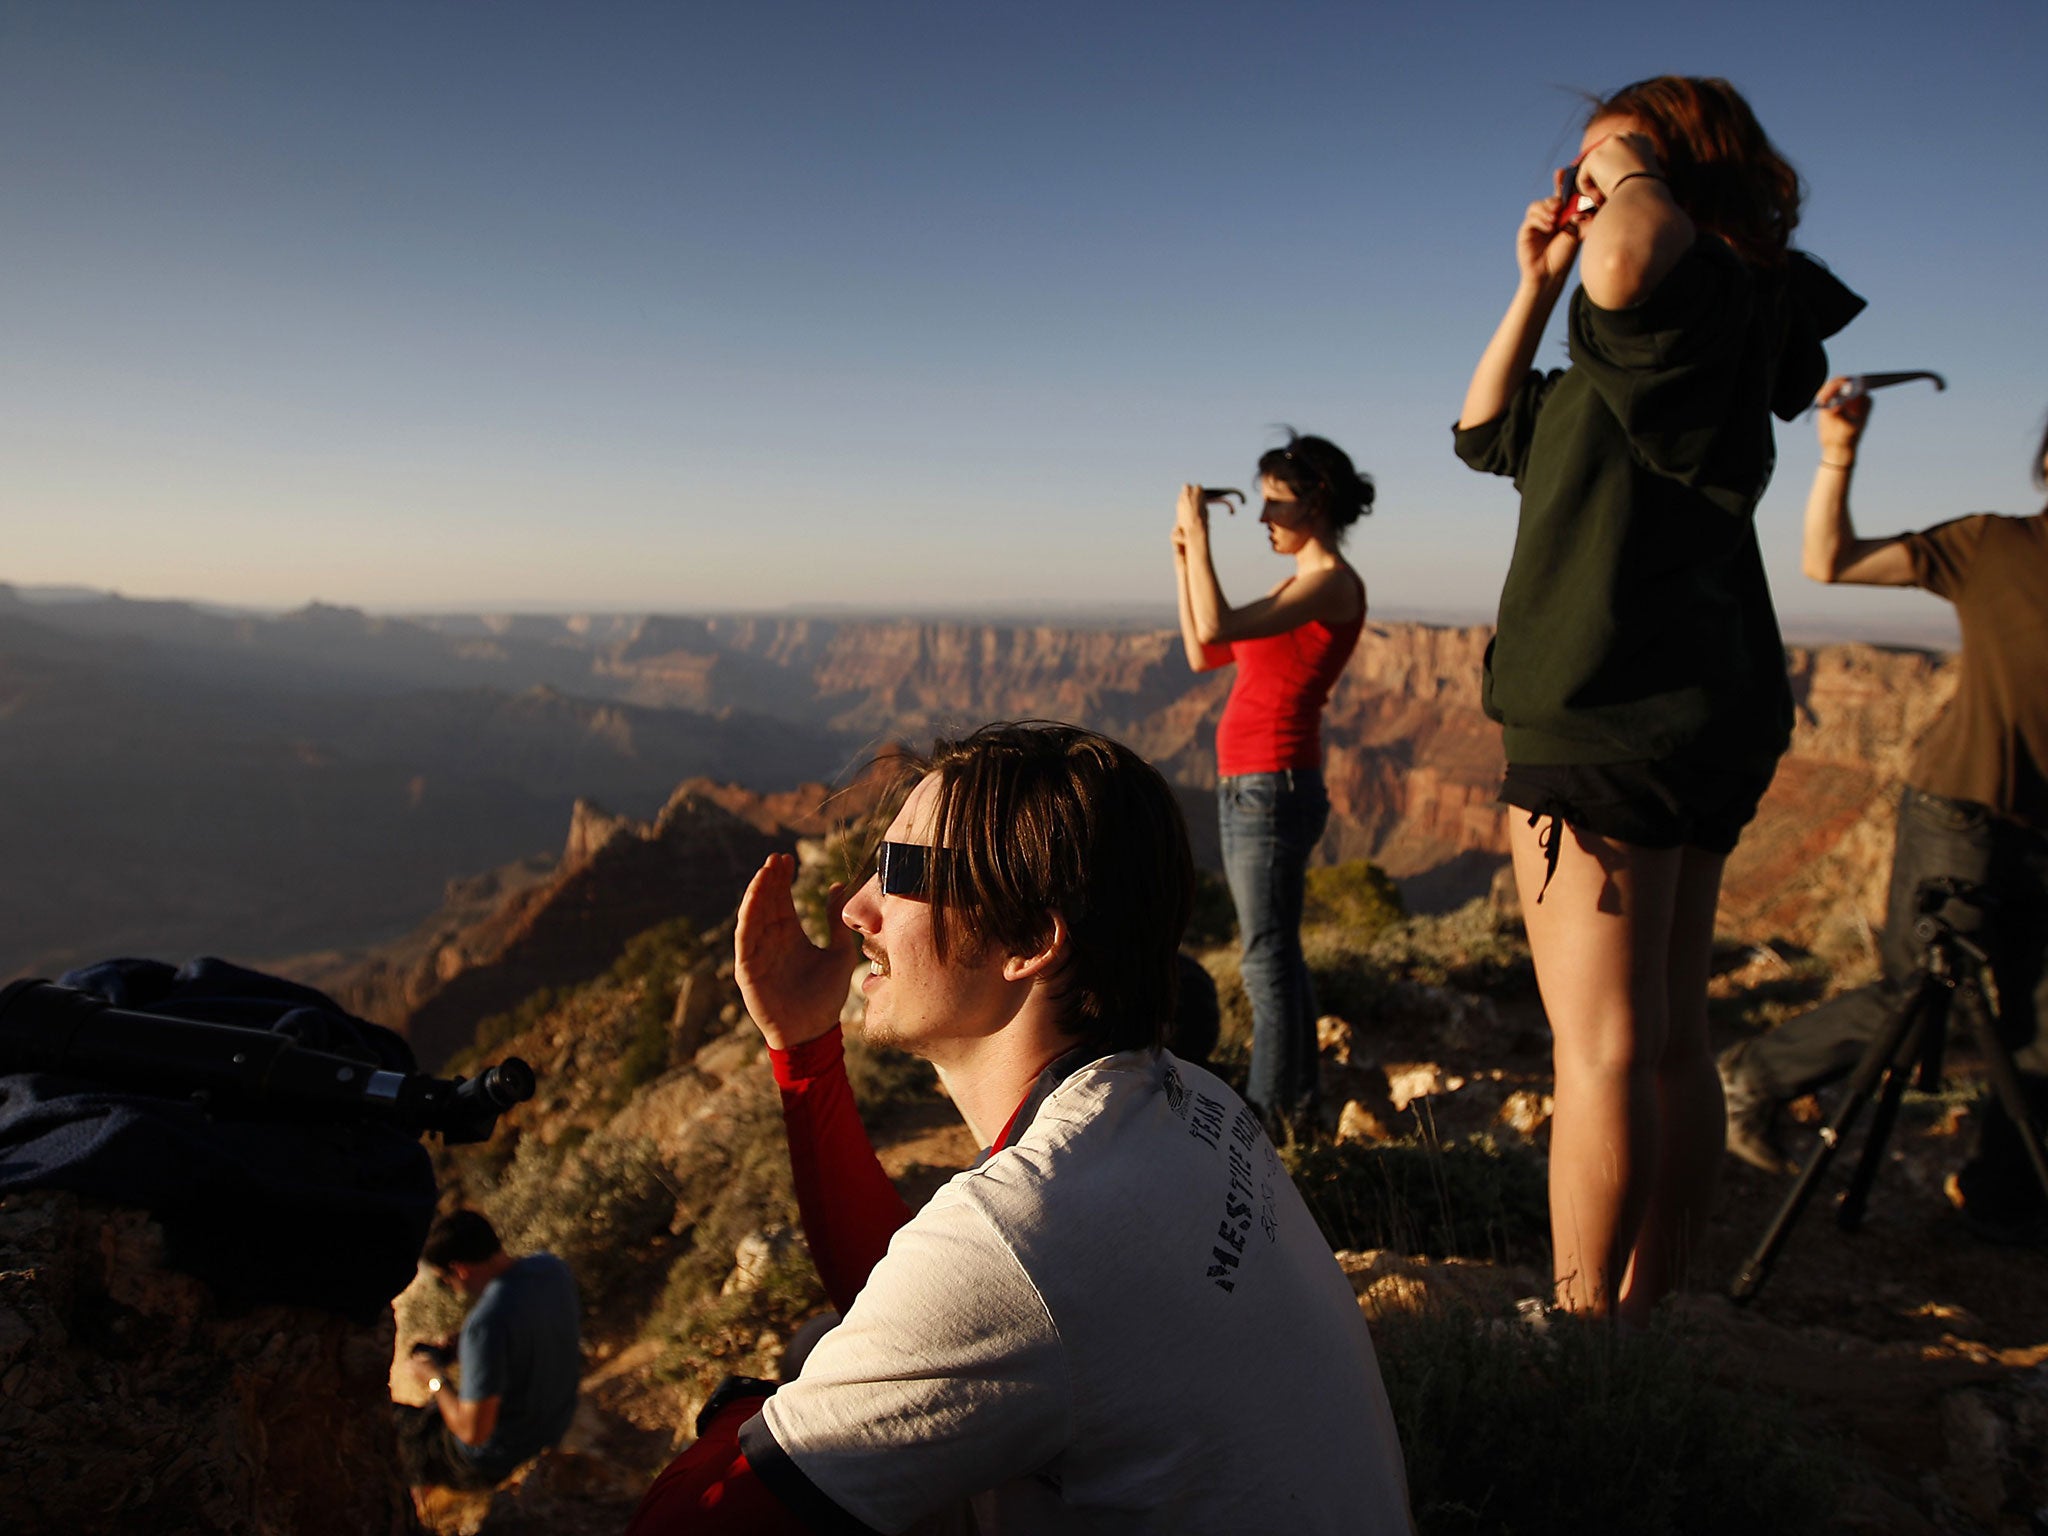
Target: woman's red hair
[[1722, 168]]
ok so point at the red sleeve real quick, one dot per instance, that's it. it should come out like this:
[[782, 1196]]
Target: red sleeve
[[850, 1209], [710, 1490]]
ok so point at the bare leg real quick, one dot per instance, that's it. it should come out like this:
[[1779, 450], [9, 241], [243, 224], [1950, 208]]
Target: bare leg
[[1691, 1118], [1600, 938]]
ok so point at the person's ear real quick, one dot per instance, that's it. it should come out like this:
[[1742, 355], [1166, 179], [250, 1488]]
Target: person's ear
[[1043, 961]]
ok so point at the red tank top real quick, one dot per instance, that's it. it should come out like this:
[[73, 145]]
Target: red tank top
[[1274, 718]]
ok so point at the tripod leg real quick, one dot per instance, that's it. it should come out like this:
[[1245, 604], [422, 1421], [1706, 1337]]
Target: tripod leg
[[2005, 1082], [1856, 1197], [1897, 1043]]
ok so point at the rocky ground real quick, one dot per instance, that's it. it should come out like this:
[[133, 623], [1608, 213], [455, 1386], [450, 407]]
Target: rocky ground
[[1916, 1355]]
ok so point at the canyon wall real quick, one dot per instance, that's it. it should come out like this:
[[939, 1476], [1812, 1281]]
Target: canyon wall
[[1412, 763]]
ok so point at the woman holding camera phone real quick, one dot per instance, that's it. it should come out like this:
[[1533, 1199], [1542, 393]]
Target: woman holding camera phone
[[1289, 647], [1637, 669]]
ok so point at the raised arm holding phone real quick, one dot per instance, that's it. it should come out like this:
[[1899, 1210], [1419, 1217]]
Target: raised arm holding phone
[[1637, 669]]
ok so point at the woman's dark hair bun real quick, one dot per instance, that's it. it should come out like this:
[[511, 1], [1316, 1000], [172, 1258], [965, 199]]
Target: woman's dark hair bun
[[1322, 476]]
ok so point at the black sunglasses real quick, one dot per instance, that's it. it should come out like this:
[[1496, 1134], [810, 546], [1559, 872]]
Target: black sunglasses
[[905, 869]]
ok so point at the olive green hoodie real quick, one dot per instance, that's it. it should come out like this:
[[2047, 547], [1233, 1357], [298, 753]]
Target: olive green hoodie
[[1636, 623]]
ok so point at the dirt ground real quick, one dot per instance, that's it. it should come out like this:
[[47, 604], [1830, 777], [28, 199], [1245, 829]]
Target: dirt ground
[[1918, 1350]]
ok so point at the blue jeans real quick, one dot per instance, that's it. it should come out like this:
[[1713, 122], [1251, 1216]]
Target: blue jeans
[[1270, 824], [1952, 838]]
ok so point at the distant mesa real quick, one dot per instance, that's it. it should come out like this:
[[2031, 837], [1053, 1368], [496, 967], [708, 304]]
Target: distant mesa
[[173, 781]]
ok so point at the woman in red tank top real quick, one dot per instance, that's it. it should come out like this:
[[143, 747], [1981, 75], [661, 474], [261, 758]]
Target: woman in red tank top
[[1288, 647]]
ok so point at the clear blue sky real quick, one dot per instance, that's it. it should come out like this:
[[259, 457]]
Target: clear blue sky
[[900, 306]]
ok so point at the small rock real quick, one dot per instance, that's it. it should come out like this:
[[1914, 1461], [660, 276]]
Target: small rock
[[1526, 1112], [1333, 1037], [1413, 1080], [1357, 1123], [757, 1256]]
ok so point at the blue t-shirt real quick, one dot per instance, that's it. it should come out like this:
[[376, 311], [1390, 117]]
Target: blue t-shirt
[[521, 1345]]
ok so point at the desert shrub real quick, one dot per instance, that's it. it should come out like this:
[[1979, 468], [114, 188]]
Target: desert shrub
[[1474, 949], [427, 1309], [653, 965], [1473, 1198], [646, 1054], [660, 955], [1580, 1428], [883, 1078], [846, 858], [570, 1139], [1356, 895], [734, 1179], [708, 1335], [495, 1029], [1347, 904], [1347, 980], [594, 1204]]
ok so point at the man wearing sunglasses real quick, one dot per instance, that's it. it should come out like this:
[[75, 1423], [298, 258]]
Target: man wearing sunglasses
[[1124, 1318]]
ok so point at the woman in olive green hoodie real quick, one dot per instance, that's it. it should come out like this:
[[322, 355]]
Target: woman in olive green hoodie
[[1637, 671]]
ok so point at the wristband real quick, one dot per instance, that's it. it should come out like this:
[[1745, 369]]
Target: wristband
[[1832, 464], [730, 1391]]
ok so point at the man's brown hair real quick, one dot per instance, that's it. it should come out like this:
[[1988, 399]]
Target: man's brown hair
[[461, 1236], [1038, 818]]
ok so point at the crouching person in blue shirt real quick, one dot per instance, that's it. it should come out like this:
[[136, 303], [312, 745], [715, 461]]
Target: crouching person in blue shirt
[[516, 1364]]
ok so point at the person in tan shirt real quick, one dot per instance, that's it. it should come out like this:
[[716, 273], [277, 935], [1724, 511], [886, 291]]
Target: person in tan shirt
[[1974, 809]]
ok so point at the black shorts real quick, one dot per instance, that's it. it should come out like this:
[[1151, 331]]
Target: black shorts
[[1670, 803]]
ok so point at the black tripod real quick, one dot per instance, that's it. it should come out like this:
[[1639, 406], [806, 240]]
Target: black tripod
[[1955, 969]]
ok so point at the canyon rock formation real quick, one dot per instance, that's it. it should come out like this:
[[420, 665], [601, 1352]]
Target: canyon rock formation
[[1413, 767], [177, 782], [503, 939]]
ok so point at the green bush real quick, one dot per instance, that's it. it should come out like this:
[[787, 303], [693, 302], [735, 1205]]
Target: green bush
[[654, 963], [883, 1078], [707, 1335], [661, 955], [595, 1203], [1473, 1198], [646, 1055], [1473, 949], [1582, 1428], [1356, 895], [733, 1179], [1347, 980], [493, 1031]]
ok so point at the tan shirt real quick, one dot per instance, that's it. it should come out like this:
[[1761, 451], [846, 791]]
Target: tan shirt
[[1991, 744]]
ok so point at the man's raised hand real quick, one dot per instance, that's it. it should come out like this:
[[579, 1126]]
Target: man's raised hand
[[792, 988]]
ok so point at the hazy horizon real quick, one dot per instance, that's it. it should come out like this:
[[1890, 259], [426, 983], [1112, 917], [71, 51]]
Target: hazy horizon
[[1933, 627]]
